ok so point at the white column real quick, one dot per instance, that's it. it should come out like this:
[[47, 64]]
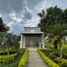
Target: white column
[[39, 45], [39, 42], [42, 40], [24, 40], [21, 41]]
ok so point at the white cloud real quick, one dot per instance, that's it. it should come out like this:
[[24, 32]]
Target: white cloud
[[15, 27], [14, 16], [33, 22], [35, 19], [0, 15], [24, 12], [40, 6]]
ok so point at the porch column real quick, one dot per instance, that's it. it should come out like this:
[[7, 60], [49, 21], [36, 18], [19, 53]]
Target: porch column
[[39, 42], [42, 40], [21, 41], [39, 45], [24, 41]]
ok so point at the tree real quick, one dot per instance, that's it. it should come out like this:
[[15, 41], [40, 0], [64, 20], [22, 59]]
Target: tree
[[51, 16], [53, 23], [3, 30], [65, 16], [10, 42], [3, 27]]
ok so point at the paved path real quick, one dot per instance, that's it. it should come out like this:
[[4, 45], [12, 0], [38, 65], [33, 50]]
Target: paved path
[[34, 59]]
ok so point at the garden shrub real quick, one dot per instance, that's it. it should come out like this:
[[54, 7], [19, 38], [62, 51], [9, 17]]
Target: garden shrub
[[23, 60], [64, 55], [64, 65], [64, 61], [8, 58], [16, 60], [3, 51], [47, 60]]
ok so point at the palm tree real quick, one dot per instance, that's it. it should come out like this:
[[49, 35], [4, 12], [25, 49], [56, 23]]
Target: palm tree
[[57, 31]]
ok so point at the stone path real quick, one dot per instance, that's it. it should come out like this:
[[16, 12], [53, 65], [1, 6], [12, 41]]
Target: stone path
[[34, 59]]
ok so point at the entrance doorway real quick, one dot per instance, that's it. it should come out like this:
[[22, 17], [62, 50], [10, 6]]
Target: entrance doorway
[[32, 41]]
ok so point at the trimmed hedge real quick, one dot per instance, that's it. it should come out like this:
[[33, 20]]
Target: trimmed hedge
[[47, 60], [7, 58], [16, 61], [65, 55], [23, 60], [5, 51], [64, 61]]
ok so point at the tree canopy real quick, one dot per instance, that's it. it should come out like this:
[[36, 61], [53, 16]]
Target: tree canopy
[[3, 27], [51, 19], [53, 23]]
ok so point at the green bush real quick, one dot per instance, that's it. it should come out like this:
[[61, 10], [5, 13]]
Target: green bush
[[64, 55], [64, 65], [64, 61], [7, 58], [16, 61], [23, 60], [3, 51], [47, 60]]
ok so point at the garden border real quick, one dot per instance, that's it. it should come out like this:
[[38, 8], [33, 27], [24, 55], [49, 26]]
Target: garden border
[[47, 60]]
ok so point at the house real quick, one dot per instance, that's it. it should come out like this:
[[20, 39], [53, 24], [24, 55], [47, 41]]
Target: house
[[32, 37]]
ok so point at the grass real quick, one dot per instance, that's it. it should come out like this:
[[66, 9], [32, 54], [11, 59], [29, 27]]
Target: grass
[[15, 63]]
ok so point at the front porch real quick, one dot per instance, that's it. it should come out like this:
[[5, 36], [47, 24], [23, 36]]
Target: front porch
[[32, 37]]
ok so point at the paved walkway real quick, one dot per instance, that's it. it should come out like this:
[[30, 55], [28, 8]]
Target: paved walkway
[[34, 59]]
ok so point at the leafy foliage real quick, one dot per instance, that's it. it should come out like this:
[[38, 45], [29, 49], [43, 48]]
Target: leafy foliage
[[22, 62], [16, 61], [50, 62], [53, 23], [7, 59], [3, 27], [52, 19]]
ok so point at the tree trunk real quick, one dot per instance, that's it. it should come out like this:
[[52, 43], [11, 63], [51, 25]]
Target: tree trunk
[[60, 47], [8, 53]]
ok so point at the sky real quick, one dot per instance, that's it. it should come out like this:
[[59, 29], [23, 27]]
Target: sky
[[18, 14]]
